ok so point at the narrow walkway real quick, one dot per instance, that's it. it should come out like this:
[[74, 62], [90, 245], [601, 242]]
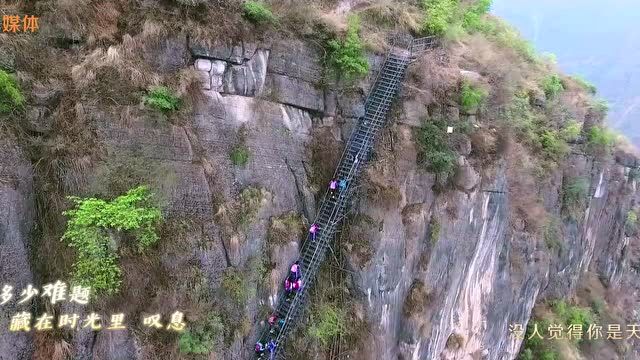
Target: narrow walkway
[[333, 208]]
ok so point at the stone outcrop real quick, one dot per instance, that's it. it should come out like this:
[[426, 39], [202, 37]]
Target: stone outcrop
[[288, 72]]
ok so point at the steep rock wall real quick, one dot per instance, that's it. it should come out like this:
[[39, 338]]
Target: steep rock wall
[[17, 211]]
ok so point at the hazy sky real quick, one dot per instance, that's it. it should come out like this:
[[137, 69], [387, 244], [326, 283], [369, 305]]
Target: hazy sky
[[597, 39]]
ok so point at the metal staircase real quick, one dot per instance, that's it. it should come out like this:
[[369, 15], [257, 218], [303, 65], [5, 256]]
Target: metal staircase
[[333, 208]]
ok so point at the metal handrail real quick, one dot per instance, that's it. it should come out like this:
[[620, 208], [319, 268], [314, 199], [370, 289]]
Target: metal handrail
[[322, 243], [315, 251]]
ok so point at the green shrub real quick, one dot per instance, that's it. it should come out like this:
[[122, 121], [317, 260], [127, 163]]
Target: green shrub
[[472, 17], [519, 115], [570, 131], [346, 56], [92, 221], [442, 162], [552, 235], [600, 139], [328, 322], [239, 155], [258, 12], [553, 146], [202, 338], [598, 306], [527, 354], [573, 315], [631, 222], [549, 354], [163, 99], [634, 174], [11, 97], [586, 85], [471, 97], [452, 18], [434, 230], [574, 193], [235, 286], [552, 86], [536, 348], [439, 15], [434, 149]]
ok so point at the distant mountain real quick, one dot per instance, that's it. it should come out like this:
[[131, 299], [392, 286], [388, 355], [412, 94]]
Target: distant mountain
[[597, 40]]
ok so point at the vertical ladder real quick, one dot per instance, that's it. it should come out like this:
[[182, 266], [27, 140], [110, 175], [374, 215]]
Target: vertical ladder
[[333, 208]]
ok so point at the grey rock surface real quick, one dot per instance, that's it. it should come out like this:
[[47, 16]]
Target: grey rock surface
[[17, 211]]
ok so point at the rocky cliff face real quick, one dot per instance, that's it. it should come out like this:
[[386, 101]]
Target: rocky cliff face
[[16, 197], [444, 272]]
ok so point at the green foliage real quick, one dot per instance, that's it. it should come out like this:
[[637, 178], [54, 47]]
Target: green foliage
[[631, 222], [527, 354], [634, 174], [471, 97], [453, 18], [534, 130], [598, 306], [435, 153], [434, 230], [519, 115], [553, 145], [553, 142], [239, 155], [472, 17], [535, 348], [201, 338], [235, 286], [11, 97], [574, 193], [552, 86], [258, 12], [552, 235], [162, 98], [600, 139], [573, 315], [92, 221], [346, 56], [327, 323], [440, 14], [586, 85], [570, 131]]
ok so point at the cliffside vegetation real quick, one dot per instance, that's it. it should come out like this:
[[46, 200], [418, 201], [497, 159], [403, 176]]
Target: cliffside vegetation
[[346, 56], [556, 315], [94, 227], [11, 97], [161, 98]]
